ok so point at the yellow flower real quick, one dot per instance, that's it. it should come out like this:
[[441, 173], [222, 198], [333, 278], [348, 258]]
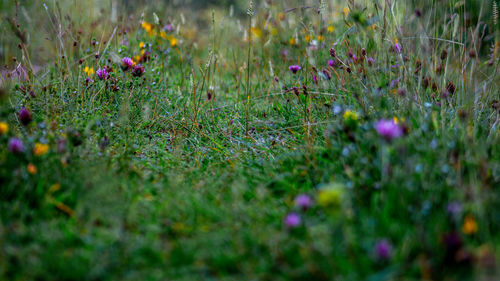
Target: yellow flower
[[331, 28], [331, 196], [137, 59], [173, 41], [256, 32], [163, 34], [470, 225], [4, 128], [32, 169], [397, 120], [350, 115], [89, 70], [346, 11], [274, 31], [308, 38], [147, 26], [321, 38], [292, 41], [143, 51], [141, 45], [40, 149]]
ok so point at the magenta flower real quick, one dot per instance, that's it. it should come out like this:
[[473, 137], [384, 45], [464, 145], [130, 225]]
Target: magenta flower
[[25, 116], [102, 73], [294, 68], [138, 70], [16, 145], [383, 250], [397, 48], [371, 61], [332, 63], [292, 220], [127, 63], [315, 79], [388, 129], [303, 201]]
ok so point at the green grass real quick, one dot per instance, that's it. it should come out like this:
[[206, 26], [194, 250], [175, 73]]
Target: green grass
[[189, 171]]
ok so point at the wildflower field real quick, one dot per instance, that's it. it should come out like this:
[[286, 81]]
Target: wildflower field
[[249, 140]]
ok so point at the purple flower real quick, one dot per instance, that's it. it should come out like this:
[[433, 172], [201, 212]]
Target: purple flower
[[397, 48], [332, 63], [315, 79], [294, 68], [303, 201], [388, 129], [383, 250], [127, 63], [332, 52], [371, 61], [292, 220], [454, 208], [168, 27], [16, 145], [102, 73], [284, 53], [25, 116], [138, 70]]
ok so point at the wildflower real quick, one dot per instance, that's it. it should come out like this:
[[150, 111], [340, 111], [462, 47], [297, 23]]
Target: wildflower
[[292, 220], [308, 38], [470, 225], [291, 41], [163, 34], [4, 128], [350, 115], [16, 145], [127, 63], [102, 73], [168, 27], [138, 70], [315, 79], [346, 11], [294, 68], [321, 38], [371, 61], [331, 195], [31, 169], [454, 208], [332, 52], [388, 129], [142, 45], [303, 201], [383, 250], [397, 47], [332, 63], [330, 28], [173, 41], [89, 70], [327, 74], [25, 116], [40, 149], [147, 27]]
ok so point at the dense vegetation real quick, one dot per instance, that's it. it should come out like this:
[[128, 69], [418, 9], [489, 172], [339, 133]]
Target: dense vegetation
[[301, 140]]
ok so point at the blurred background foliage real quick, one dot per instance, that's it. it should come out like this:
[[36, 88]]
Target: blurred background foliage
[[20, 18]]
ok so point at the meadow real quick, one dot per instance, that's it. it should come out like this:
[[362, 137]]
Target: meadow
[[249, 140]]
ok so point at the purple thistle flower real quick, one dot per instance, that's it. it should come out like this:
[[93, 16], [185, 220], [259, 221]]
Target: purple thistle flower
[[127, 63], [397, 48], [315, 79], [138, 70], [332, 52], [332, 63], [371, 61], [388, 129], [292, 220], [25, 116], [102, 73], [383, 250], [303, 201], [294, 68], [16, 145]]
